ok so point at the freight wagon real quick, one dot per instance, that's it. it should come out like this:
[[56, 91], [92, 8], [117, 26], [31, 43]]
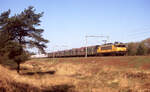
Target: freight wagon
[[115, 49]]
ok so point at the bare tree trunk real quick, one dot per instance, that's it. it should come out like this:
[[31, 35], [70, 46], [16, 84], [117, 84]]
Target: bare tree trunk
[[18, 68]]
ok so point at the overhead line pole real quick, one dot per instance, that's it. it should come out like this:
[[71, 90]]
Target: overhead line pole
[[86, 37]]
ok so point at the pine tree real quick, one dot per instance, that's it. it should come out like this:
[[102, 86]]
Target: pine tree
[[21, 30]]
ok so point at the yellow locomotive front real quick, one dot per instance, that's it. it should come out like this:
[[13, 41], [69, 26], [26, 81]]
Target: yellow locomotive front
[[120, 48], [112, 49]]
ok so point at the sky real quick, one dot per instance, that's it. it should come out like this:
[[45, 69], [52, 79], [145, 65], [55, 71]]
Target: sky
[[67, 22]]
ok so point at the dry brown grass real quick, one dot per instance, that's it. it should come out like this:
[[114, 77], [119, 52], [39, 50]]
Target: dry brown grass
[[104, 74], [10, 81]]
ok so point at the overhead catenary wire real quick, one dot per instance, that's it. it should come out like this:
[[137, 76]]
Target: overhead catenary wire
[[139, 33], [93, 36]]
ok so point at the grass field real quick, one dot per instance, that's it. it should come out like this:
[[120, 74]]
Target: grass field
[[93, 74]]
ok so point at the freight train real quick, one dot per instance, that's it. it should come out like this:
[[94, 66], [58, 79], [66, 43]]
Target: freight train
[[113, 49]]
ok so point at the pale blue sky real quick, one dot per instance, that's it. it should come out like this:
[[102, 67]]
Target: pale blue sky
[[66, 22]]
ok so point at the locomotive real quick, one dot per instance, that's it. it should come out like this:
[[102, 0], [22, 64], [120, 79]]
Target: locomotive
[[109, 49]]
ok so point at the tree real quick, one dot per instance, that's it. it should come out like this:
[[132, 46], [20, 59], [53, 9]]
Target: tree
[[141, 50], [21, 30], [132, 48], [147, 45]]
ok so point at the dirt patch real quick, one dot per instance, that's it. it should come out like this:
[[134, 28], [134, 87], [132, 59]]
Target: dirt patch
[[146, 67], [138, 75]]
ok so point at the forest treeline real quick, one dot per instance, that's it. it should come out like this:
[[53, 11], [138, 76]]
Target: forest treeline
[[139, 48]]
